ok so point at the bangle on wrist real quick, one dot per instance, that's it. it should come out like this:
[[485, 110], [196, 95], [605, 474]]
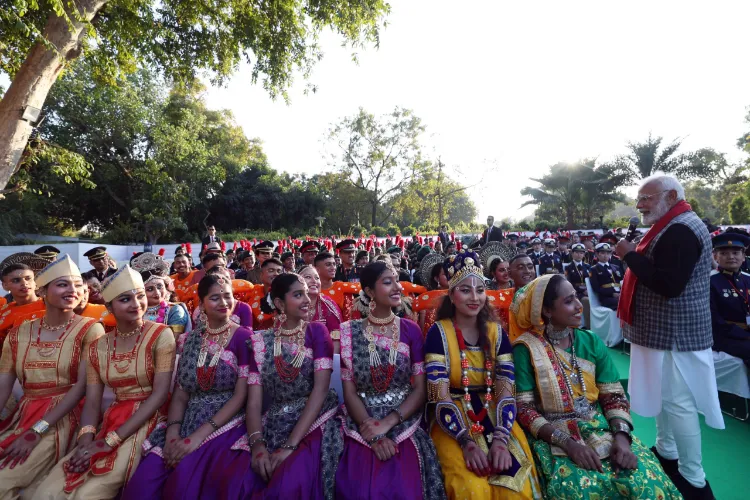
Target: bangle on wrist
[[559, 438], [86, 429], [213, 424], [376, 438], [398, 412], [464, 439], [113, 440], [620, 427], [40, 427], [289, 447], [174, 422], [257, 440]]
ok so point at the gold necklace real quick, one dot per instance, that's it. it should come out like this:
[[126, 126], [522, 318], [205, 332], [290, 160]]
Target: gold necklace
[[288, 371], [56, 328], [220, 330], [127, 335], [293, 331], [381, 321]]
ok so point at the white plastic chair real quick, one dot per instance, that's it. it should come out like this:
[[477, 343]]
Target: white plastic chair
[[731, 377], [604, 321]]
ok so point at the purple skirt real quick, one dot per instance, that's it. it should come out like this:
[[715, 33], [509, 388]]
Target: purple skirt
[[198, 476], [361, 475]]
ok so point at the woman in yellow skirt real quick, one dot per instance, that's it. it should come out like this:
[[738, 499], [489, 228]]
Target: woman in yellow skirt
[[136, 360], [45, 355], [470, 383]]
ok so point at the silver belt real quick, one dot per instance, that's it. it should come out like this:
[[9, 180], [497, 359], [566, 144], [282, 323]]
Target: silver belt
[[389, 398]]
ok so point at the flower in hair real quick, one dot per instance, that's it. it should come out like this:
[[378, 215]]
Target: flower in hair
[[364, 297]]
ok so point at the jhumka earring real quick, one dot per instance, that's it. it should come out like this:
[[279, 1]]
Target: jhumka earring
[[282, 318], [202, 318], [372, 305]]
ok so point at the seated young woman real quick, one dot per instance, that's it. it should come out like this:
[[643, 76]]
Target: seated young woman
[[571, 401], [387, 454], [45, 355], [135, 360], [470, 381], [185, 455], [293, 448]]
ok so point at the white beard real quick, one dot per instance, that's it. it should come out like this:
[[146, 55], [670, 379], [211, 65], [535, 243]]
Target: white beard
[[659, 211]]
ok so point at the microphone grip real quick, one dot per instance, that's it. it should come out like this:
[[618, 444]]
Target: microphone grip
[[631, 232]]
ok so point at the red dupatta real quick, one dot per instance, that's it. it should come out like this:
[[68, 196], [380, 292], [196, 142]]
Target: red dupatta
[[625, 306]]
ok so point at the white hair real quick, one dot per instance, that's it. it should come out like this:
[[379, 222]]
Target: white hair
[[666, 182]]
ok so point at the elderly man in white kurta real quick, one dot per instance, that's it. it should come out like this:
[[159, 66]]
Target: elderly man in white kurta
[[665, 310]]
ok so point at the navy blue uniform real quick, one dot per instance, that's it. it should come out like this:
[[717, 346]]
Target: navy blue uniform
[[605, 282], [566, 258], [729, 313], [534, 256], [576, 275], [550, 264]]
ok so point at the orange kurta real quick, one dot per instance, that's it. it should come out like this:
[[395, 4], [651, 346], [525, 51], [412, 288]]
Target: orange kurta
[[182, 287], [343, 294], [429, 303], [9, 312], [261, 320], [500, 301]]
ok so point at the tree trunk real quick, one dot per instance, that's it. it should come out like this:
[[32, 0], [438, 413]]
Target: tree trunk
[[34, 80], [374, 220]]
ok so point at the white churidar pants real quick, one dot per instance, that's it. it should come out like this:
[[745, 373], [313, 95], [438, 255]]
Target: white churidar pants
[[674, 386]]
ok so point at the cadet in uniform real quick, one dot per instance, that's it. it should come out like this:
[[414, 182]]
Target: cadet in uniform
[[606, 278], [576, 272], [730, 297], [99, 260], [550, 262], [536, 250]]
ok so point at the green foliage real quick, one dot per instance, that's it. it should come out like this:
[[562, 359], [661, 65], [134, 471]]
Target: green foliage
[[259, 234], [579, 193], [739, 210], [378, 231], [184, 38], [393, 230], [377, 156], [409, 231], [646, 158]]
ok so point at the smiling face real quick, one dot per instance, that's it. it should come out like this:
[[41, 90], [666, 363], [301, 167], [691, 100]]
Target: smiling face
[[64, 293], [469, 296], [94, 291], [181, 266], [296, 303], [347, 257], [326, 268], [156, 292], [522, 271], [566, 309], [312, 280], [20, 284], [218, 303], [269, 273], [502, 272], [387, 289], [130, 306]]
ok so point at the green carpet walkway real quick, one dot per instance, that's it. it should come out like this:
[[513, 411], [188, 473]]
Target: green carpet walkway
[[726, 453]]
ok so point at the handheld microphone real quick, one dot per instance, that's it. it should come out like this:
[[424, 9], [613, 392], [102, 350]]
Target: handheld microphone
[[632, 228]]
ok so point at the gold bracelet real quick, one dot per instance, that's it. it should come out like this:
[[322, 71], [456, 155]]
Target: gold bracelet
[[113, 440], [336, 335], [86, 429]]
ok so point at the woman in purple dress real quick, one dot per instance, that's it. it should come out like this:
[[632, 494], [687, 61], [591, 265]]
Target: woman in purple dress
[[293, 449], [242, 314], [206, 414], [386, 454]]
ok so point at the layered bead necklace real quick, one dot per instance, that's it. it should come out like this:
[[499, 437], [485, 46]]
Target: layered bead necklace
[[476, 426], [205, 374], [580, 404], [123, 368], [288, 372], [382, 375]]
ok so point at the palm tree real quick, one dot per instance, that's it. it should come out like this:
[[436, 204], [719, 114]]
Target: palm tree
[[578, 190], [646, 158]]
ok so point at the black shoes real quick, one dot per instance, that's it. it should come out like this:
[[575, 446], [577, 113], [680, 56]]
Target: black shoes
[[689, 492], [669, 465]]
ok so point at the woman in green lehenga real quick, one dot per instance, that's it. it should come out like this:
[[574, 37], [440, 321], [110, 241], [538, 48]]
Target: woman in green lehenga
[[571, 402]]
